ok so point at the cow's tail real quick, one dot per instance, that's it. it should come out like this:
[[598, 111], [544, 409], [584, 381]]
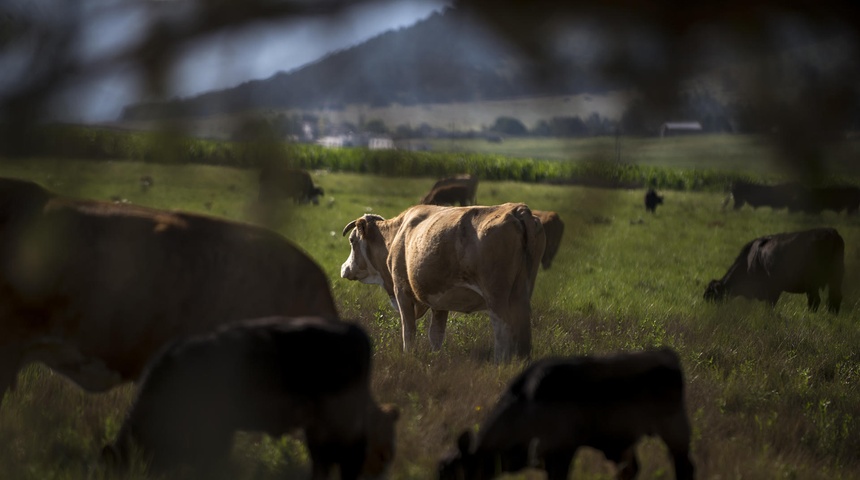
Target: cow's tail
[[534, 242]]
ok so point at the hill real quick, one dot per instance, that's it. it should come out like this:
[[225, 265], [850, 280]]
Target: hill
[[446, 58]]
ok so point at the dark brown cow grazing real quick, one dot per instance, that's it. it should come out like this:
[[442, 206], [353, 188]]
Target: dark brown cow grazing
[[464, 259], [554, 229], [774, 196], [652, 200], [556, 406], [272, 375], [469, 182], [797, 262], [448, 195], [278, 182], [93, 289]]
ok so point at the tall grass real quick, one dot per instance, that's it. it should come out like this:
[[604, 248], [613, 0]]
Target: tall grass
[[772, 393]]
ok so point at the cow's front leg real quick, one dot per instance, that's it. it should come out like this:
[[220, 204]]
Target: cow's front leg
[[438, 322], [629, 465], [407, 319]]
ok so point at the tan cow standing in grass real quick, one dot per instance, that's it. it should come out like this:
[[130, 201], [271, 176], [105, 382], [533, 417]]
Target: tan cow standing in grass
[[464, 259], [93, 289]]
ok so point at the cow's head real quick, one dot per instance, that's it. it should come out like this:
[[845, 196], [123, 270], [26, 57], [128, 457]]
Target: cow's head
[[380, 439], [468, 463], [368, 254], [716, 291]]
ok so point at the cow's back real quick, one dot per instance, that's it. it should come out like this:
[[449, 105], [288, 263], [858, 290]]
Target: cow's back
[[797, 261]]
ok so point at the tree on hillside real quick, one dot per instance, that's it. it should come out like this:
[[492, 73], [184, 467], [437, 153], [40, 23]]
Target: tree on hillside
[[509, 126], [568, 127], [376, 126]]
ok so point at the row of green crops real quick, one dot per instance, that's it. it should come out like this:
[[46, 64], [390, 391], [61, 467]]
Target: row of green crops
[[171, 148]]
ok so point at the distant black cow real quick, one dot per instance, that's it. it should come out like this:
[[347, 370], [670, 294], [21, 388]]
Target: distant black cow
[[556, 406], [652, 200], [146, 182], [774, 196], [835, 198], [469, 196], [273, 375], [796, 262], [278, 183]]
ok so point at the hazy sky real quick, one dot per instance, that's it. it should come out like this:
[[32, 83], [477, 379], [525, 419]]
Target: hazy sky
[[225, 59]]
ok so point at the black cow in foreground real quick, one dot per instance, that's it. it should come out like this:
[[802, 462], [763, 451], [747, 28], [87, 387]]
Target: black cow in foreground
[[273, 375], [796, 262], [556, 406], [652, 200], [278, 182]]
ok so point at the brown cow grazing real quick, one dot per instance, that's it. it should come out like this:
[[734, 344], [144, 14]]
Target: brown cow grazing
[[796, 262], [464, 259], [556, 406], [94, 289], [554, 228], [448, 195], [652, 200], [278, 182], [469, 182], [273, 375]]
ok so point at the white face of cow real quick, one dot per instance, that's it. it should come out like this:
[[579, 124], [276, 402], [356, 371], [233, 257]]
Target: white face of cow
[[358, 266]]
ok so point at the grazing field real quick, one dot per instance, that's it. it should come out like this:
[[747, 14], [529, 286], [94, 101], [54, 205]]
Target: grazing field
[[772, 393]]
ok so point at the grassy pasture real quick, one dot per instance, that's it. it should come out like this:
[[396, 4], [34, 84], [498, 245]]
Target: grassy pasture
[[771, 393]]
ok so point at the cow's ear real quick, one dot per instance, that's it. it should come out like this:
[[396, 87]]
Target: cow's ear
[[464, 442], [363, 225]]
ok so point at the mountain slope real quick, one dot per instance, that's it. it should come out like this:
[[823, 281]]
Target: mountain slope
[[444, 58]]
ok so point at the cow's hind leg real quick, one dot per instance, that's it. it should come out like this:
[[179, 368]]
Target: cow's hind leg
[[558, 465], [813, 300], [834, 293], [10, 363], [438, 321], [675, 432], [512, 336]]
